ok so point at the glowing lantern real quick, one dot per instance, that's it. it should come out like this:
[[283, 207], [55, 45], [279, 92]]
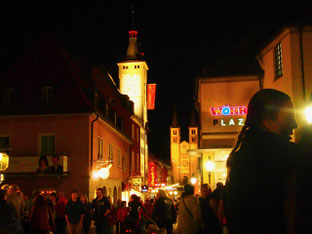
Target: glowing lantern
[[4, 161], [102, 172], [308, 114]]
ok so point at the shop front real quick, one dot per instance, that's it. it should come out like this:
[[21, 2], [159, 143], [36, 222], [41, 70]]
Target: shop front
[[223, 109]]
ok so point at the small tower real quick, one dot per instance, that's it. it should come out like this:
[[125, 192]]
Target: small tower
[[175, 147], [132, 72], [193, 143]]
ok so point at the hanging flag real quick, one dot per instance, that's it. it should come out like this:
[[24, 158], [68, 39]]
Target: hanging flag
[[151, 93]]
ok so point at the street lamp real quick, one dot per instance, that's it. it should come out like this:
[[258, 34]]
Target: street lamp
[[209, 166], [308, 114], [193, 180]]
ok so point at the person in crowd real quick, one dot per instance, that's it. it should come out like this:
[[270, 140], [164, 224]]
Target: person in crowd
[[118, 205], [189, 215], [40, 217], [122, 212], [164, 213], [43, 165], [56, 167], [209, 217], [101, 208], [111, 217], [149, 208], [304, 180], [8, 217], [263, 159], [74, 213], [86, 223], [60, 208], [132, 220], [16, 200]]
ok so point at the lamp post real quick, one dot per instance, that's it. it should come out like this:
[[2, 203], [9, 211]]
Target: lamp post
[[209, 166]]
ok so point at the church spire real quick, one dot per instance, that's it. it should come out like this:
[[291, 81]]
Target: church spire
[[133, 49], [174, 123]]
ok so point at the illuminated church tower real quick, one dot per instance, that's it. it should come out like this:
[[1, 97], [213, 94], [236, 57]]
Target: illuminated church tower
[[132, 71], [183, 165], [133, 74]]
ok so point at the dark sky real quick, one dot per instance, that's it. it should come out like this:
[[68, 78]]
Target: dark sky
[[178, 40]]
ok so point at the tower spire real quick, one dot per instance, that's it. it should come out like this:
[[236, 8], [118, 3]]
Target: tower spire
[[133, 49]]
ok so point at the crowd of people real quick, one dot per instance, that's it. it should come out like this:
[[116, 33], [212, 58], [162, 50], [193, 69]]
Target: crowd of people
[[268, 190]]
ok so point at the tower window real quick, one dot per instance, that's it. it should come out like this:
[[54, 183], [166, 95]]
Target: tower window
[[46, 94], [8, 96], [193, 132], [174, 132], [175, 140], [278, 61]]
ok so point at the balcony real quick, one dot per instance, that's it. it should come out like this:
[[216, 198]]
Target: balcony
[[21, 166]]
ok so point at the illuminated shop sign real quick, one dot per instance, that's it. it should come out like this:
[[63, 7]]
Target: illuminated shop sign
[[226, 110], [229, 113]]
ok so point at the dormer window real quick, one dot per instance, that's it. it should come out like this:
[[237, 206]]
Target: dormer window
[[8, 96], [46, 94]]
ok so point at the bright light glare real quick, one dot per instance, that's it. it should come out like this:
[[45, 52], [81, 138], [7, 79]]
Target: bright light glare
[[209, 165], [193, 180], [0, 156], [102, 172], [308, 114]]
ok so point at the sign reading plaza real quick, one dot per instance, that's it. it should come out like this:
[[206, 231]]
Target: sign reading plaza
[[227, 111]]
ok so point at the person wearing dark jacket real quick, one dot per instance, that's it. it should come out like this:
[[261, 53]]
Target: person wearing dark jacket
[[210, 219], [101, 208], [261, 168], [74, 214], [164, 213]]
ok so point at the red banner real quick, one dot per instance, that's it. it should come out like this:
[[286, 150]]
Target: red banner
[[151, 93]]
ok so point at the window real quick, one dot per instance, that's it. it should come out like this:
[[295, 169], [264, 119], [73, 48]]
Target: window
[[4, 143], [110, 153], [118, 157], [120, 124], [48, 145], [132, 161], [193, 132], [133, 131], [278, 61], [46, 94], [138, 163], [138, 135], [193, 139], [100, 149], [175, 132], [8, 96], [124, 161], [175, 140]]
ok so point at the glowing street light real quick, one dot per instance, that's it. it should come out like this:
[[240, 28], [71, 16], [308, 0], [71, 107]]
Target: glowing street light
[[193, 180], [102, 173], [4, 161], [308, 114], [209, 166]]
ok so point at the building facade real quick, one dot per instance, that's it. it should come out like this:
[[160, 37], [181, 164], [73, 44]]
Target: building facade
[[53, 105]]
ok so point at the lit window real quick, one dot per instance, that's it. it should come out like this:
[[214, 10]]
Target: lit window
[[100, 149], [110, 152], [8, 96], [278, 61], [48, 145], [118, 157], [4, 143], [175, 132], [46, 94]]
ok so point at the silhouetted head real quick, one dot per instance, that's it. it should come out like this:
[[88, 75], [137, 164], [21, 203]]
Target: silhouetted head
[[273, 111]]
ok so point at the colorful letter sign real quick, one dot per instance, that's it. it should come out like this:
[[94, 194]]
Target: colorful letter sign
[[228, 110]]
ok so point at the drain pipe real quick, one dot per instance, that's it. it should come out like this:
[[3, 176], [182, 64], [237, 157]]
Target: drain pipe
[[92, 123], [300, 28]]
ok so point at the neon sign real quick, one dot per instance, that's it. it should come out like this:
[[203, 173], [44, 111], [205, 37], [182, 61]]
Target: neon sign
[[228, 110]]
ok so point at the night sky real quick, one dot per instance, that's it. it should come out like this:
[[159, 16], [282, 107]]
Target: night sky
[[179, 41]]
